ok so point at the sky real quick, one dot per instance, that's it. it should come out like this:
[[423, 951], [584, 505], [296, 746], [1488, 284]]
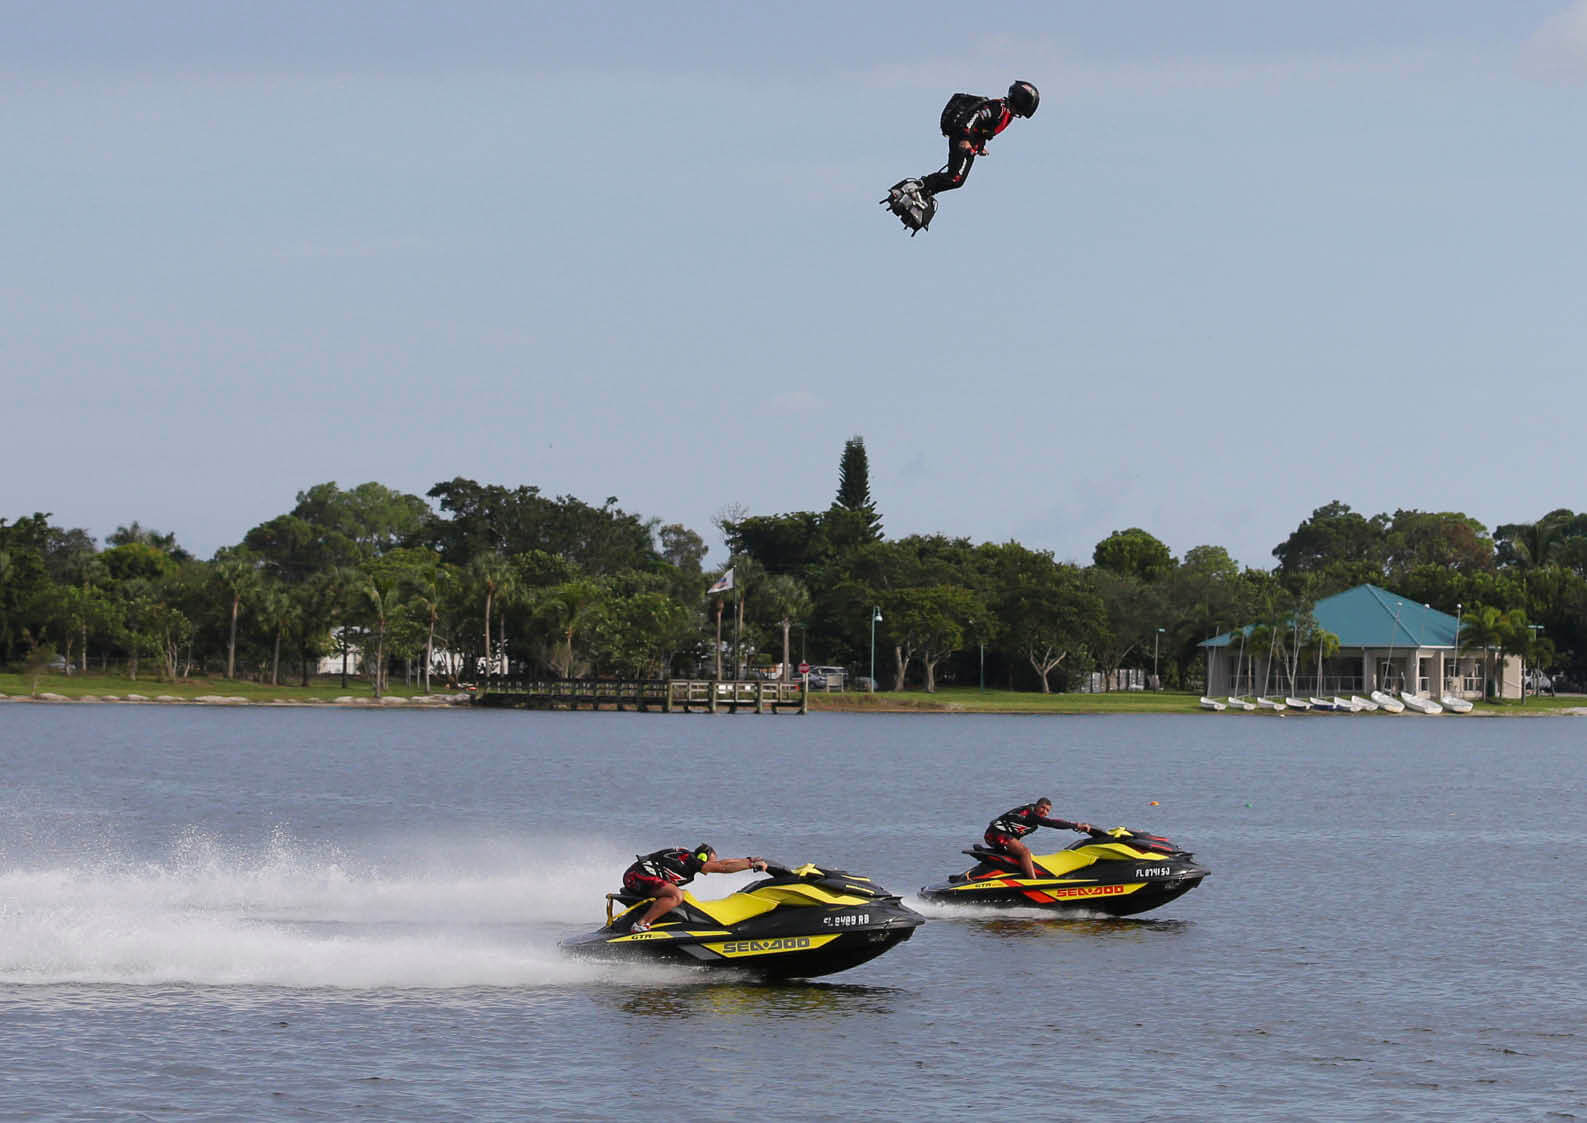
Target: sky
[[1247, 259]]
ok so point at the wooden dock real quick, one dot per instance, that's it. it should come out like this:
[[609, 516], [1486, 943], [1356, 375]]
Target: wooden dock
[[658, 695]]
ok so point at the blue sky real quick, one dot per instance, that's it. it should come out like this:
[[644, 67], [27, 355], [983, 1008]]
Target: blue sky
[[1248, 258]]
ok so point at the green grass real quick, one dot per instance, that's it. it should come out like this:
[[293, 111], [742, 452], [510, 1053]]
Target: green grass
[[969, 699], [75, 686], [962, 699]]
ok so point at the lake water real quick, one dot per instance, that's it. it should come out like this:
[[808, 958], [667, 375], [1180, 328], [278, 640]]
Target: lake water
[[312, 914]]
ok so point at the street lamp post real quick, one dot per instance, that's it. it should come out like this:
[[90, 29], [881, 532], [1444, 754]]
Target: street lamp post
[[876, 616], [1155, 637], [1534, 629]]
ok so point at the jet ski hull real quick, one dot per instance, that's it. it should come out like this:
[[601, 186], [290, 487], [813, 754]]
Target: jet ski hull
[[1111, 877], [800, 926]]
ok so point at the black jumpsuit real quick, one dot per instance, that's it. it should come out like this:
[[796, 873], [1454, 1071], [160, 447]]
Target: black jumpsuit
[[965, 143]]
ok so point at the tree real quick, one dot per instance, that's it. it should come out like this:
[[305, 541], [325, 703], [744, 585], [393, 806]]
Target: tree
[[790, 602], [372, 516], [568, 608], [1532, 545], [1045, 610], [382, 596], [35, 663], [1134, 553], [682, 548], [431, 586], [1446, 539], [948, 614], [139, 536], [492, 577], [1483, 628], [1333, 534], [1132, 608], [794, 543], [238, 576], [488, 518], [276, 611], [637, 634], [854, 488]]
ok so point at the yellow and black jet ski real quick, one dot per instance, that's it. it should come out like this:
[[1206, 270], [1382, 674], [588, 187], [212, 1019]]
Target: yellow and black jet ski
[[793, 924], [1118, 873]]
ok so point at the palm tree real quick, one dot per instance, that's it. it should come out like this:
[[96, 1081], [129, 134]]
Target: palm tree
[[276, 611], [382, 597], [431, 585], [494, 577], [239, 577], [1482, 628], [567, 608], [791, 602]]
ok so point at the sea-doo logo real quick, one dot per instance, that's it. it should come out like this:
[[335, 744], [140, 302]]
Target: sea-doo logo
[[785, 943], [1153, 871], [1094, 891], [847, 920]]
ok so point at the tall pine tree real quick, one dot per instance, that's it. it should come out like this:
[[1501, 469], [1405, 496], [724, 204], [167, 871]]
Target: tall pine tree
[[854, 488]]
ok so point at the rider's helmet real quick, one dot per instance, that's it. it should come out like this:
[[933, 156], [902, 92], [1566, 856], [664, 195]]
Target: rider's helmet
[[703, 853], [1023, 98]]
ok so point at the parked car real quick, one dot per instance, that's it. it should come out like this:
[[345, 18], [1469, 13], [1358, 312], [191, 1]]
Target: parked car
[[828, 678]]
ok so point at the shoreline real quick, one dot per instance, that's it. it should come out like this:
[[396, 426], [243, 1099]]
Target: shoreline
[[1055, 706]]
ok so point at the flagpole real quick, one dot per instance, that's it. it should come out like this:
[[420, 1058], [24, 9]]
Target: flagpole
[[718, 640]]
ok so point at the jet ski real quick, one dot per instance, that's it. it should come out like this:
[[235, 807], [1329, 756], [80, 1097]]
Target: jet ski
[[794, 924], [1119, 873]]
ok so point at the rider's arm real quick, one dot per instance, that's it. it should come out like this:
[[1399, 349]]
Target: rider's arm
[[1065, 825], [733, 865]]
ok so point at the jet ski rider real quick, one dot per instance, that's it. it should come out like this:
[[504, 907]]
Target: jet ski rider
[[660, 874], [1003, 834]]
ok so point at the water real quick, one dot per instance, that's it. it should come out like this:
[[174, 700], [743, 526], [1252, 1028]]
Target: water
[[313, 914]]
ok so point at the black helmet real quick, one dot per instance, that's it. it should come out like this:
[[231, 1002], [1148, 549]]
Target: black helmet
[[703, 852], [1023, 98]]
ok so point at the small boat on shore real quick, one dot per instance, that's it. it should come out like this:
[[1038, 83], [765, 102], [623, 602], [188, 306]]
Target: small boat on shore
[[1388, 702], [1298, 703], [1455, 705], [1241, 703], [1419, 704], [1213, 704], [1325, 705], [1359, 704], [1269, 703]]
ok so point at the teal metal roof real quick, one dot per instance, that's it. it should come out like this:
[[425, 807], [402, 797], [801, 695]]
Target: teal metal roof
[[1368, 616]]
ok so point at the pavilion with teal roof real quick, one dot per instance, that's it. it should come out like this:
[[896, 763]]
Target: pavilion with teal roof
[[1387, 642]]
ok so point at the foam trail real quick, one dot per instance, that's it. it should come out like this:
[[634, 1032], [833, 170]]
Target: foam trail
[[288, 915]]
